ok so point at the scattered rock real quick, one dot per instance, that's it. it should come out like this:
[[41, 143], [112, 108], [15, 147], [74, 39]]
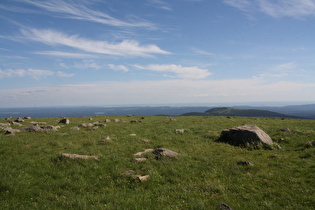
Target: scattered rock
[[117, 120], [36, 128], [5, 124], [312, 143], [239, 136], [172, 119], [76, 156], [85, 125], [12, 131], [129, 172], [27, 118], [90, 118], [145, 151], [224, 206], [106, 139], [32, 128], [162, 152], [99, 124], [179, 131], [285, 130], [145, 140], [16, 123], [107, 120], [244, 163], [133, 134], [65, 121], [19, 120], [95, 127], [75, 128], [139, 160], [141, 178]]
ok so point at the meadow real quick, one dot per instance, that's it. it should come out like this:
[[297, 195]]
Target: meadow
[[35, 175]]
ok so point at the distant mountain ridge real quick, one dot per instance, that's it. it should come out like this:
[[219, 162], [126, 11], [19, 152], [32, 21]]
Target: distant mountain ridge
[[293, 111], [229, 111]]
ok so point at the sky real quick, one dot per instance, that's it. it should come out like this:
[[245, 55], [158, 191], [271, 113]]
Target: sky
[[154, 52]]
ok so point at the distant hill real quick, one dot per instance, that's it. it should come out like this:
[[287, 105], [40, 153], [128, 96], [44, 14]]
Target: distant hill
[[229, 111]]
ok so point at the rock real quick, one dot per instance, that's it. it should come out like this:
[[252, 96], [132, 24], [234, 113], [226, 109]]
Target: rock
[[312, 143], [16, 123], [107, 120], [76, 156], [36, 128], [19, 120], [285, 130], [99, 124], [145, 140], [141, 178], [139, 160], [65, 121], [145, 151], [12, 131], [50, 127], [224, 206], [133, 134], [172, 119], [179, 130], [106, 139], [162, 152], [32, 128], [239, 136], [5, 124], [244, 163], [129, 172], [85, 125], [27, 118], [117, 120], [75, 128]]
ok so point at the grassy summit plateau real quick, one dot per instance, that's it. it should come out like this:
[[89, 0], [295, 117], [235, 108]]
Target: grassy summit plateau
[[35, 173]]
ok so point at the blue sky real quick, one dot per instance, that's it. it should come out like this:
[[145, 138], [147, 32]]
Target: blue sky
[[93, 52]]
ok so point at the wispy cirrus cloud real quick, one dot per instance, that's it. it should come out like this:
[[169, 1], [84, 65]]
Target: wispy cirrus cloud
[[276, 8], [124, 48], [161, 4], [65, 54], [80, 11], [179, 71], [33, 73], [118, 67]]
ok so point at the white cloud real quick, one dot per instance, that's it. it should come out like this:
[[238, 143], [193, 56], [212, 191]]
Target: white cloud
[[179, 71], [33, 73], [88, 64], [161, 5], [79, 10], [65, 54], [124, 48], [118, 67], [202, 52], [290, 8], [276, 8], [159, 92]]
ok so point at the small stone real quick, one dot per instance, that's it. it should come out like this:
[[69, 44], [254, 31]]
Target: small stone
[[179, 130], [75, 128], [76, 156], [65, 121], [142, 178], [224, 206], [244, 163], [145, 151], [139, 160]]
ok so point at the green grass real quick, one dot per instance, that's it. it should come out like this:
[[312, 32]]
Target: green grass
[[33, 175]]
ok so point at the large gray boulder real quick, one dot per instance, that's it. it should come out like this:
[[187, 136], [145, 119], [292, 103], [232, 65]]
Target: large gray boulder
[[245, 134]]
